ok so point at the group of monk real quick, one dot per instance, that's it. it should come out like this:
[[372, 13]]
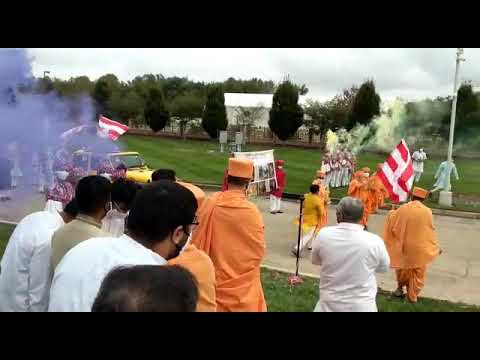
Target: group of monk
[[370, 190]]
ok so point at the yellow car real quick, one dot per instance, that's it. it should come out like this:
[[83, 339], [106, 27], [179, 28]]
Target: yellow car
[[137, 169]]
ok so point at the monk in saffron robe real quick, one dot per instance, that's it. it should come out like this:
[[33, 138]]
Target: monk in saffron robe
[[377, 192], [359, 189], [231, 232], [412, 243]]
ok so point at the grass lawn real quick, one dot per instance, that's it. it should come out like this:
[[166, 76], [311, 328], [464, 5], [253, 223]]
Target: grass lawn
[[201, 161], [281, 297]]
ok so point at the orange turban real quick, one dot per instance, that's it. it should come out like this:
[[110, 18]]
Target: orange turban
[[241, 168]]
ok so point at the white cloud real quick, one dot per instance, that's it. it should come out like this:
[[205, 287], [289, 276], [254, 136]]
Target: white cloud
[[410, 73]]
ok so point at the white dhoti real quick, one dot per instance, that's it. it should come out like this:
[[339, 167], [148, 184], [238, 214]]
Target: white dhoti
[[275, 203], [306, 239]]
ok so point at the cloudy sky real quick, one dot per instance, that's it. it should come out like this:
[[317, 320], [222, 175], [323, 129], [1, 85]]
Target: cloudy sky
[[408, 73]]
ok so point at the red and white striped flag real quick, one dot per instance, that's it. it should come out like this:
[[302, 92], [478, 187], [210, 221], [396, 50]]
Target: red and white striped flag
[[111, 129], [397, 173]]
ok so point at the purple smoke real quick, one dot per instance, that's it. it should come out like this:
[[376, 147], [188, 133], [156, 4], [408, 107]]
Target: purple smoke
[[35, 121]]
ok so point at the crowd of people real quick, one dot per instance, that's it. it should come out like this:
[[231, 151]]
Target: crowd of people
[[116, 246]]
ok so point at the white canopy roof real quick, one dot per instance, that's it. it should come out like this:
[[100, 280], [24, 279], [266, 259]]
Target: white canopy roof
[[261, 100]]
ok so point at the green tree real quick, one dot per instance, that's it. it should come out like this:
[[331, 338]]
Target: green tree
[[366, 105], [318, 120], [126, 104], [186, 108], [286, 116], [214, 116], [156, 113], [101, 94]]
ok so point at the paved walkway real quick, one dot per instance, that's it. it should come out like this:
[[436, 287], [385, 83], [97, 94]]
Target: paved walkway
[[454, 275]]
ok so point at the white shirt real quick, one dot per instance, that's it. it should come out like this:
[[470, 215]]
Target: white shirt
[[418, 158], [79, 275], [25, 269], [349, 258]]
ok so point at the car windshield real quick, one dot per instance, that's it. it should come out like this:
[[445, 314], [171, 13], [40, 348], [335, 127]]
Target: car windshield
[[130, 161]]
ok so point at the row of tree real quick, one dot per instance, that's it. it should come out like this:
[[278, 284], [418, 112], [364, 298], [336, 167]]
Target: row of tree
[[156, 100]]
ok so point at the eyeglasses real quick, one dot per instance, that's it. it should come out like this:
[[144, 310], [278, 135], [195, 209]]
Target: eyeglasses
[[195, 222]]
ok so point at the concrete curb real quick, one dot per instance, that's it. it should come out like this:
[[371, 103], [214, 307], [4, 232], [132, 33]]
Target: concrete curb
[[8, 222]]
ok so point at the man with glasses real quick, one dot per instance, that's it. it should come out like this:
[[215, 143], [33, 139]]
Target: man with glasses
[[159, 225], [93, 200], [193, 259]]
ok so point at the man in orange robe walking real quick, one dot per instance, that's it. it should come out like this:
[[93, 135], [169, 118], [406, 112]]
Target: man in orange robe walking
[[377, 192], [411, 242], [359, 189], [231, 232]]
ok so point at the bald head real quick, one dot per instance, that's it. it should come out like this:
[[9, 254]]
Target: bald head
[[349, 210]]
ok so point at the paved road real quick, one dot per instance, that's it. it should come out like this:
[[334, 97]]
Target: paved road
[[454, 276]]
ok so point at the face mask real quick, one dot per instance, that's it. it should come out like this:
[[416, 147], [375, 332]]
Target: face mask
[[180, 247], [114, 222]]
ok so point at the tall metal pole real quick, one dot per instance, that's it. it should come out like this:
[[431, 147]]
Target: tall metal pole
[[454, 111]]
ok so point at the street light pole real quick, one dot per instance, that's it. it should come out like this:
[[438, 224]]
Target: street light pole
[[446, 195]]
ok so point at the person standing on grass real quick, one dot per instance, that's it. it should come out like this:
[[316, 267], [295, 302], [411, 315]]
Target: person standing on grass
[[231, 232], [93, 196], [313, 210], [25, 268], [193, 259], [349, 258], [419, 158], [276, 195], [412, 243], [442, 176], [158, 227]]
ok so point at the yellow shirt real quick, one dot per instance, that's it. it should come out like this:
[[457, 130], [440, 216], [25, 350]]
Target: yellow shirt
[[313, 208], [82, 228]]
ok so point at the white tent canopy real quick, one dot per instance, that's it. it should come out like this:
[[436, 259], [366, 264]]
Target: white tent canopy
[[262, 100]]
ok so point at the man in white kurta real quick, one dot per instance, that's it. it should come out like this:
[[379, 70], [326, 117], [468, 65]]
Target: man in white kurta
[[349, 257], [158, 230], [25, 268], [418, 158], [442, 176], [80, 273]]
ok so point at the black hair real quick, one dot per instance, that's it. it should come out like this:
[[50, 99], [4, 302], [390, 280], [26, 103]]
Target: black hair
[[314, 189], [122, 166], [159, 209], [164, 174], [71, 208], [92, 194], [147, 288], [124, 191], [238, 181]]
